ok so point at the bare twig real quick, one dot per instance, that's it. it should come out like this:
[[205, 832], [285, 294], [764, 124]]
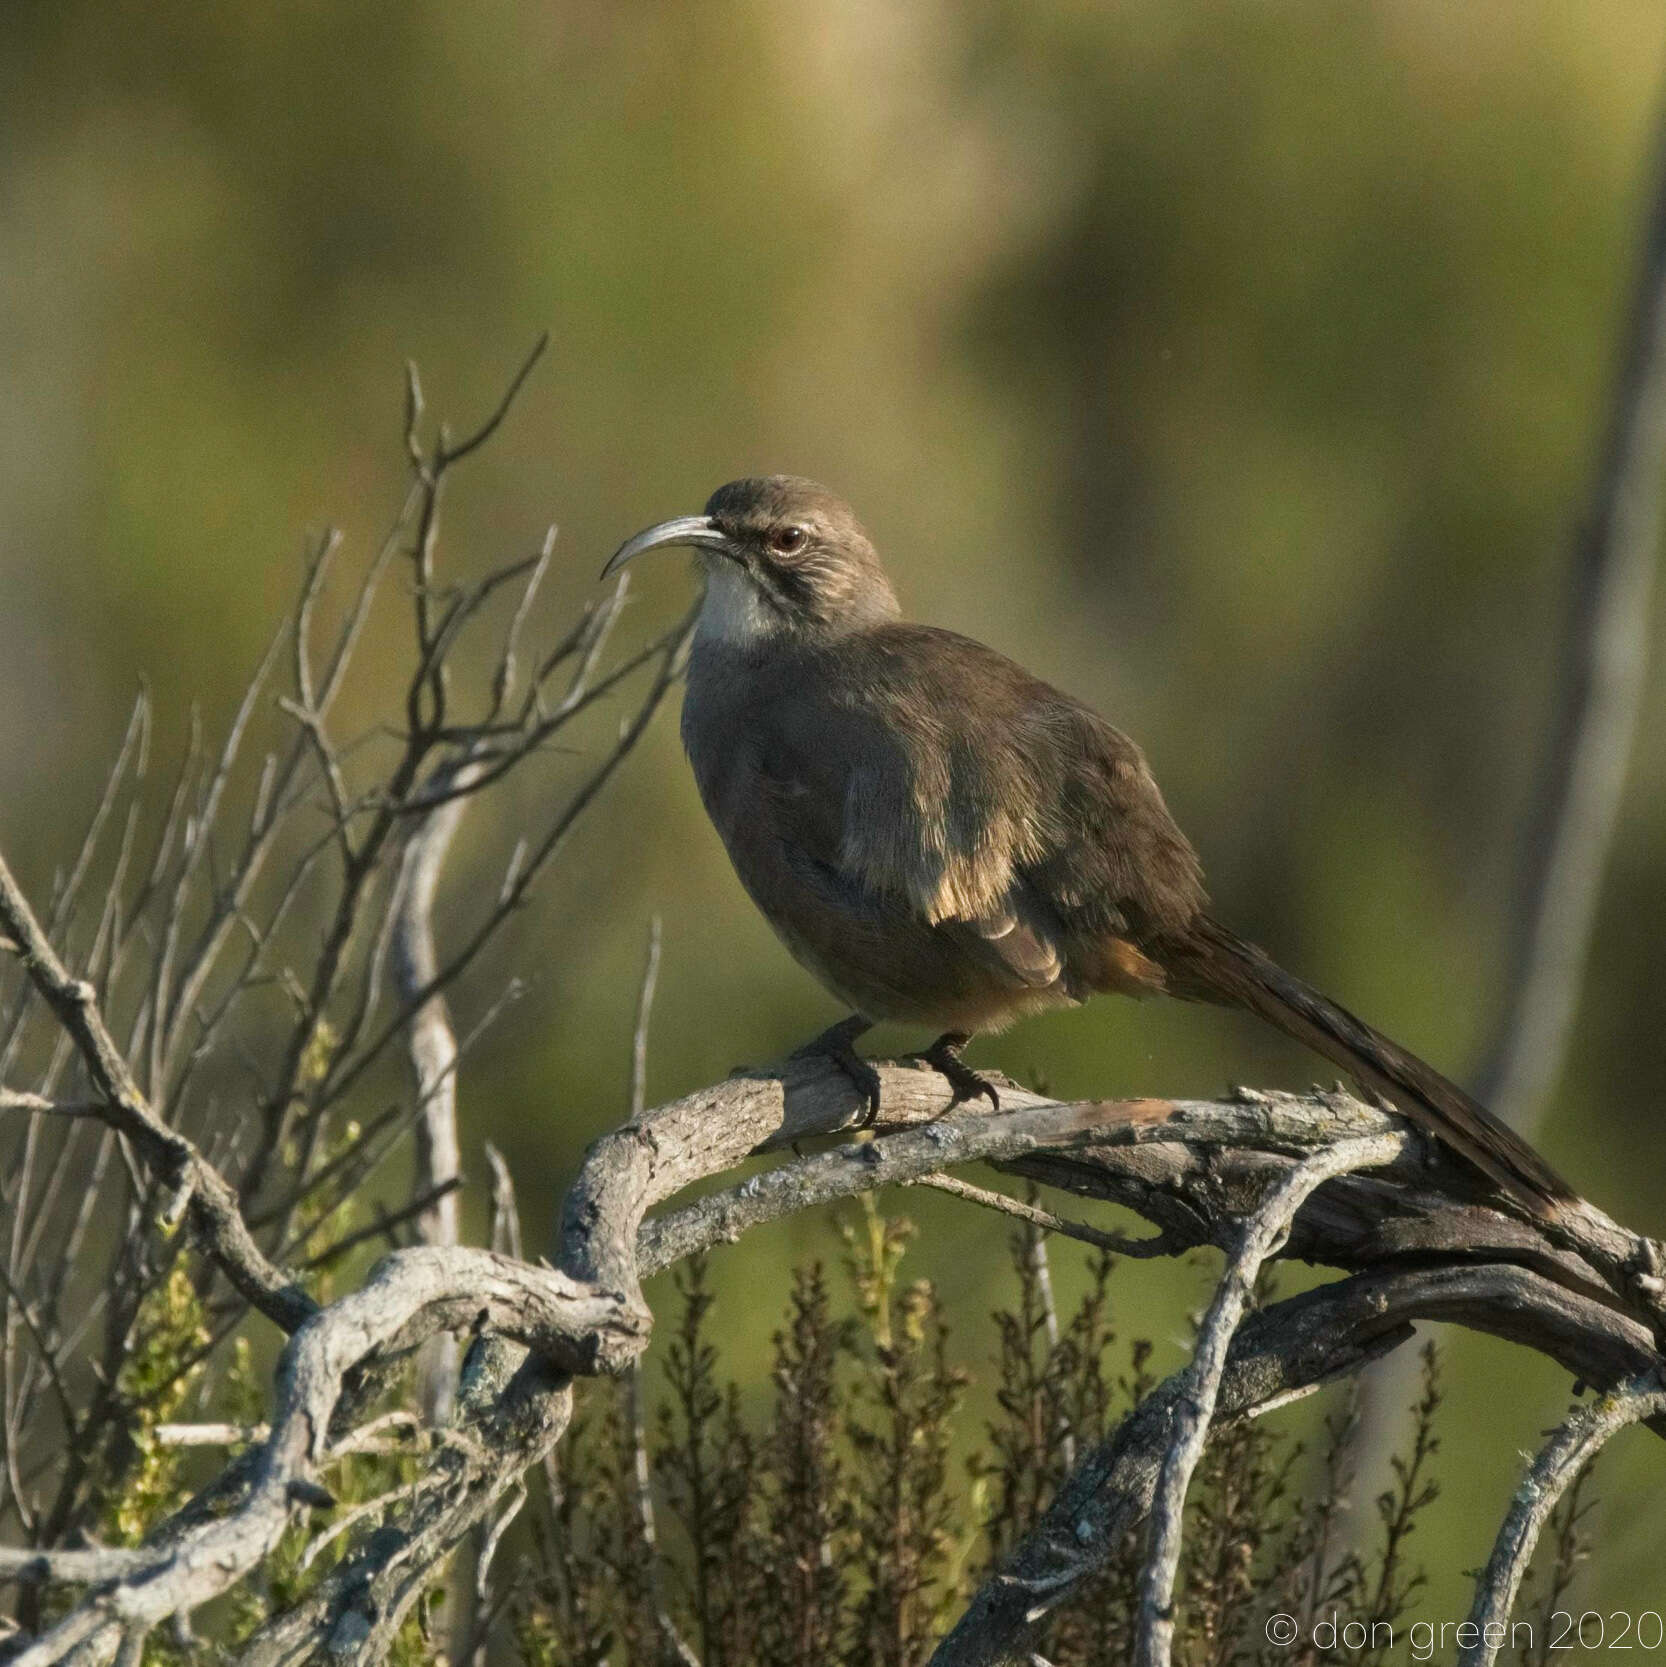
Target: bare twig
[[433, 1054], [506, 1217], [644, 1014], [1574, 1444], [1196, 1399], [1122, 1244], [209, 1435], [448, 455], [188, 1175], [13, 1100]]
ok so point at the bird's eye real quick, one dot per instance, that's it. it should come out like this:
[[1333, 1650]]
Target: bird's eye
[[784, 540]]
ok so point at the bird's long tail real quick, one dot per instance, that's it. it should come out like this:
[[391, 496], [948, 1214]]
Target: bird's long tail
[[1215, 965]]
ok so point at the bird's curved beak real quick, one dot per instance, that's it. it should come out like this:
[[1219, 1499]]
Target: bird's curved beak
[[699, 530]]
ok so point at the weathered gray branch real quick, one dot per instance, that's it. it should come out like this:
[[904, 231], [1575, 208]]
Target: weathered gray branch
[[408, 1298], [1572, 1447], [1196, 1168], [1200, 1383], [432, 1048], [198, 1190]]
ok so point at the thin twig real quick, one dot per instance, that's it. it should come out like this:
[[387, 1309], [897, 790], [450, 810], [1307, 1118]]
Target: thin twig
[[12, 1099], [1574, 1444], [644, 1014], [1155, 1244], [1263, 1233], [432, 1047], [455, 454], [213, 1205], [506, 1217]]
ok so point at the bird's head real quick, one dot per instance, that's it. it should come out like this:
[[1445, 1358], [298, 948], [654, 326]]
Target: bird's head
[[782, 556]]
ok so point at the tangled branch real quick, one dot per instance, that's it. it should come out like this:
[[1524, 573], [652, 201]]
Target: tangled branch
[[587, 1315]]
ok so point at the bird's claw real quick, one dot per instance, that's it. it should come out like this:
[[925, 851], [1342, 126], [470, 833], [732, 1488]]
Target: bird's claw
[[866, 1080], [838, 1045], [943, 1056]]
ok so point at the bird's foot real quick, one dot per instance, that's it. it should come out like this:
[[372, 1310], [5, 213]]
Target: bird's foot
[[943, 1056], [838, 1043]]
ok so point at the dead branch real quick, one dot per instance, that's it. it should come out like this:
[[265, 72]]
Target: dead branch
[[1574, 1444], [1200, 1384], [587, 1314], [194, 1185], [432, 1048], [194, 941]]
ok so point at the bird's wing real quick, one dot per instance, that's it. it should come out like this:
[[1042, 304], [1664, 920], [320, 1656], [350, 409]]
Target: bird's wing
[[882, 808], [1013, 937], [1112, 860], [937, 777]]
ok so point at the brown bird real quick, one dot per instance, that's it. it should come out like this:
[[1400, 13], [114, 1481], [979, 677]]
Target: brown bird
[[945, 840]]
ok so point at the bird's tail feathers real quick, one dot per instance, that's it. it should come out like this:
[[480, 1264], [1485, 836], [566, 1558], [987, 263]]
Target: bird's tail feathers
[[1213, 964]]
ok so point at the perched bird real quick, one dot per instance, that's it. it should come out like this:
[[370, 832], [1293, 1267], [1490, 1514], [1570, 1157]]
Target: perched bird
[[945, 840]]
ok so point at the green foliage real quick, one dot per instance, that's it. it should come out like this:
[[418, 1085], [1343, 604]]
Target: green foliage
[[904, 1545], [164, 1361], [833, 1531], [170, 1369]]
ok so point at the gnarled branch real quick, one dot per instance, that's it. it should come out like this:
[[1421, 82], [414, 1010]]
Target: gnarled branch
[[1184, 1161]]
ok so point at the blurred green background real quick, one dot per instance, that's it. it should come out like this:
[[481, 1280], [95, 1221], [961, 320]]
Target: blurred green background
[[1237, 366]]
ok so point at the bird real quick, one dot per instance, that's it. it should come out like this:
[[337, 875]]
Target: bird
[[945, 840]]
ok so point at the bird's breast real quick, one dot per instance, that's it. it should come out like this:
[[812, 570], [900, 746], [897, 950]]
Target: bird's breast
[[775, 788]]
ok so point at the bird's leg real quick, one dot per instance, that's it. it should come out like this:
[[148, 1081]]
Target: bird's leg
[[944, 1057], [838, 1043]]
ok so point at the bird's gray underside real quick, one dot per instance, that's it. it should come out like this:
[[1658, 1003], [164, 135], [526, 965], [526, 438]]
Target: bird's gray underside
[[948, 862]]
